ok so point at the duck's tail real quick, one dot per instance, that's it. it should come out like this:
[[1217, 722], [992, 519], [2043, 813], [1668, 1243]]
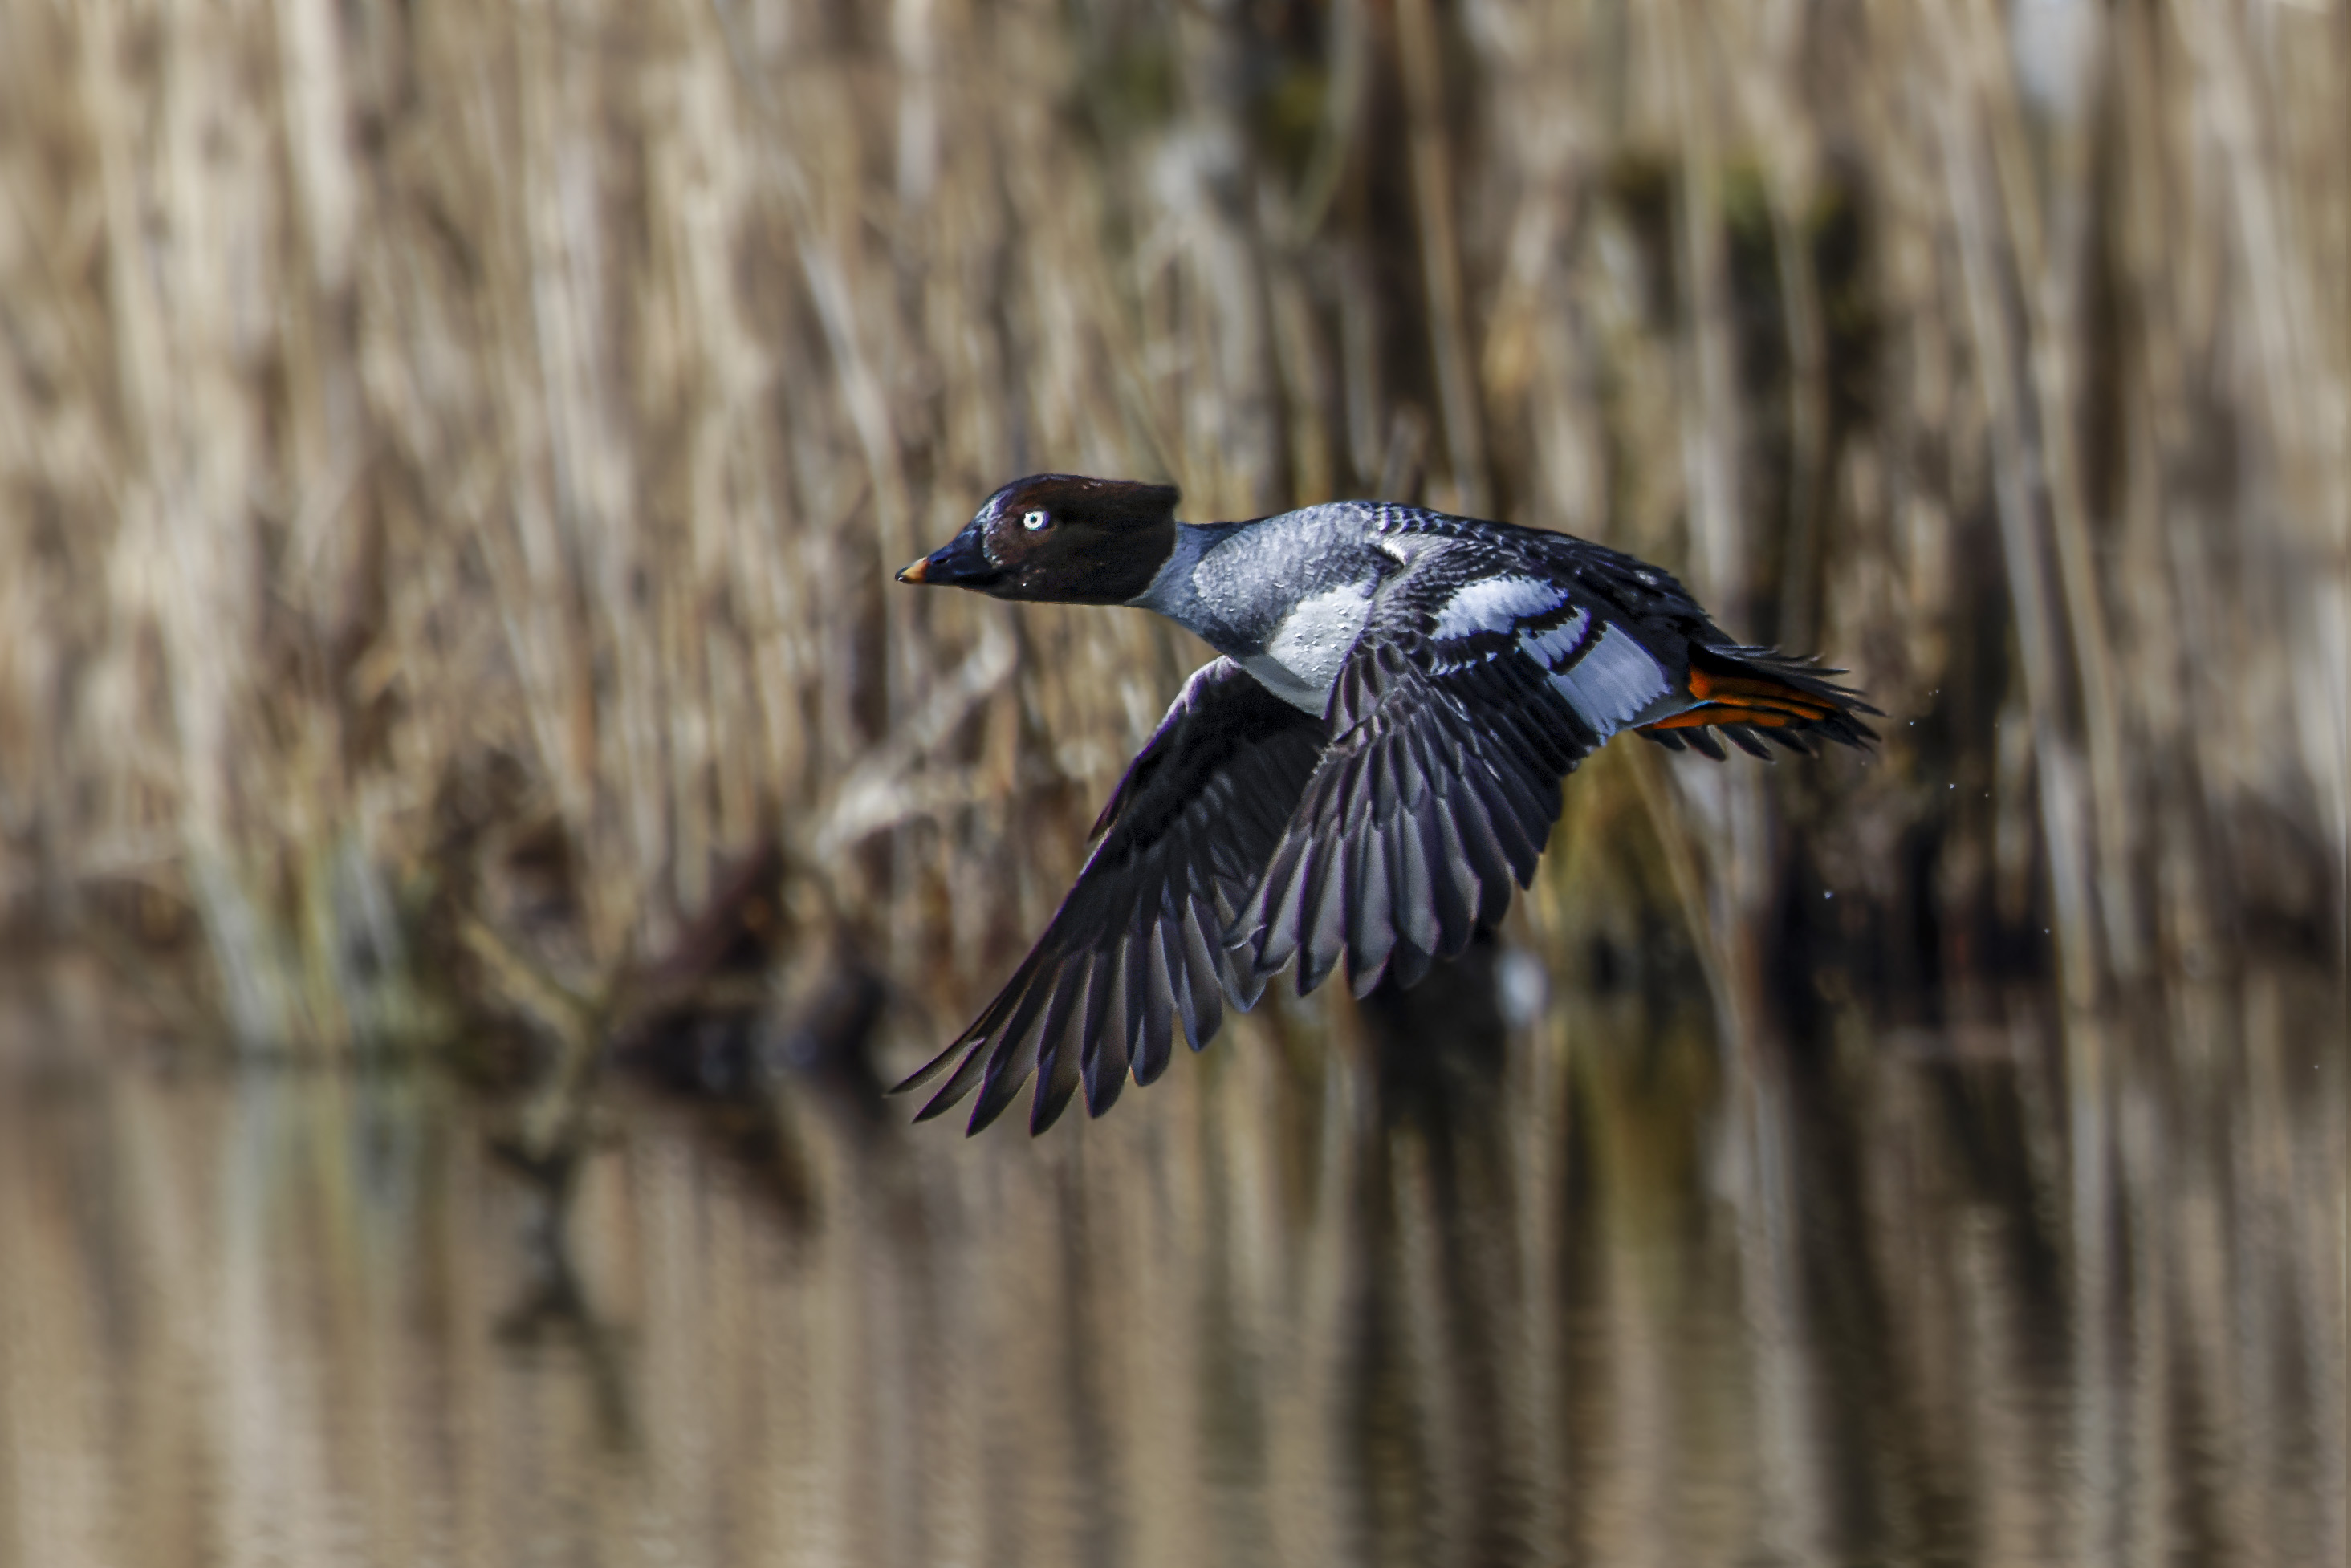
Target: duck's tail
[[1745, 694]]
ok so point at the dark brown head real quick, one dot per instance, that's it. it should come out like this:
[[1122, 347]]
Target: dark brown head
[[1060, 538]]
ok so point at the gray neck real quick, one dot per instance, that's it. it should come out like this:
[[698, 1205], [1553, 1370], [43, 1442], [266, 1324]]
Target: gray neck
[[1174, 592]]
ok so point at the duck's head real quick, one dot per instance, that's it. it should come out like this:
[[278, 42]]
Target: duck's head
[[1060, 538]]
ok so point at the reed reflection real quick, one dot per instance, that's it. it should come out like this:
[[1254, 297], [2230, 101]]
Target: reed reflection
[[1572, 1286]]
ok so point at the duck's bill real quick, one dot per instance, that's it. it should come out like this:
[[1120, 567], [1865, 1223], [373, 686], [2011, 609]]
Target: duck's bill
[[960, 563]]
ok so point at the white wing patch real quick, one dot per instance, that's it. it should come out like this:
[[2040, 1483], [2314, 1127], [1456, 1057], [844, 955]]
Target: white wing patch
[[1612, 684], [1551, 649], [1496, 604]]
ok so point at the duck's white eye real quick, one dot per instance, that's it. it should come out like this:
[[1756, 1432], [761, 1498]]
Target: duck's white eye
[[1035, 520]]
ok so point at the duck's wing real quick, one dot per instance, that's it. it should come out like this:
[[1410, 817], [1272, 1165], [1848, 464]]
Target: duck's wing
[[1483, 675], [1136, 946]]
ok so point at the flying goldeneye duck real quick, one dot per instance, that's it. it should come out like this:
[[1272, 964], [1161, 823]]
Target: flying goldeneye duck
[[1373, 759]]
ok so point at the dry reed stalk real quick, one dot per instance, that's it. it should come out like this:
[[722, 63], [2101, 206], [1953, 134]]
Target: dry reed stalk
[[1420, 61], [2018, 475]]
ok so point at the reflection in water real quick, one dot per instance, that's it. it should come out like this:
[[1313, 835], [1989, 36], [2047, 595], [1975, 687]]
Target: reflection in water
[[1597, 1297]]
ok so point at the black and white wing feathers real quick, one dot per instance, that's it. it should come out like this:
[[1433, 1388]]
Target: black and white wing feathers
[[1137, 944], [1469, 697]]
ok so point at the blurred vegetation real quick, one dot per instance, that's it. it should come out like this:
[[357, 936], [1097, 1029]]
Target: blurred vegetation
[[452, 458], [1611, 1305]]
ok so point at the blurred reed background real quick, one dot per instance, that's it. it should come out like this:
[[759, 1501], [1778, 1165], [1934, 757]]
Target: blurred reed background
[[452, 457]]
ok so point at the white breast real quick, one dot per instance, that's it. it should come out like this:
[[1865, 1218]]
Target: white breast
[[1301, 660]]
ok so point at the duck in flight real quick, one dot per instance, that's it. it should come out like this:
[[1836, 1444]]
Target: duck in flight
[[1371, 762]]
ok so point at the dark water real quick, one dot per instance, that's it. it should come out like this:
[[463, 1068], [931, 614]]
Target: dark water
[[1967, 1296]]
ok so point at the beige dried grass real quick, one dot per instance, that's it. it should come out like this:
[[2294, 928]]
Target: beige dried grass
[[393, 396]]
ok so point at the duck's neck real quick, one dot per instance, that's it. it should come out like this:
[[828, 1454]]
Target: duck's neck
[[1174, 591]]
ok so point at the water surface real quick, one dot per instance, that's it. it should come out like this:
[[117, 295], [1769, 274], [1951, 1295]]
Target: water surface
[[1948, 1296]]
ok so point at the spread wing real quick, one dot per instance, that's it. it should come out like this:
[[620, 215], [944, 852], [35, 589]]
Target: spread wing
[[1135, 944], [1469, 697]]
